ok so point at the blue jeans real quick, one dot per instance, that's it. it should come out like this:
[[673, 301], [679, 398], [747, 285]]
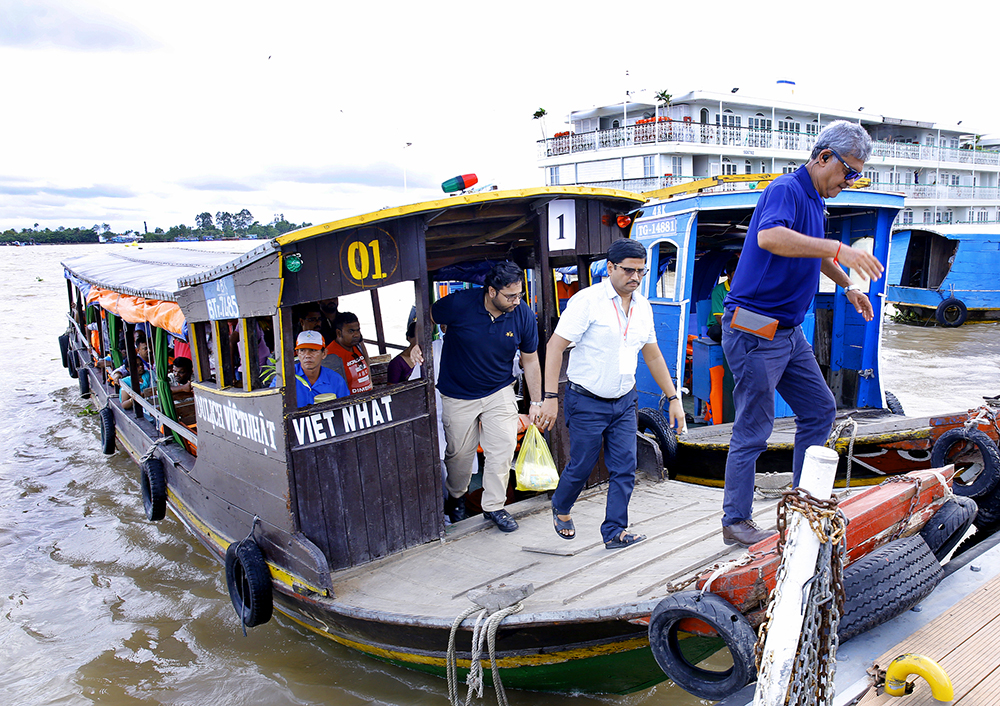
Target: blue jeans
[[760, 367], [591, 424]]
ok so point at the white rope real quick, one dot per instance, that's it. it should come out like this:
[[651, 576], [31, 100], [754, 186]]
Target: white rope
[[485, 629], [723, 568]]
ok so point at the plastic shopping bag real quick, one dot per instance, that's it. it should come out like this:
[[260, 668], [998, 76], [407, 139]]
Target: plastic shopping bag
[[535, 468]]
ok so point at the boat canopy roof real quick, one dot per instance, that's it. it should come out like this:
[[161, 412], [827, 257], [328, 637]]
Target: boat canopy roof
[[151, 273], [141, 285]]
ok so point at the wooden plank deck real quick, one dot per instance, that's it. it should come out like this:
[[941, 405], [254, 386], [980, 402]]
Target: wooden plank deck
[[963, 641], [871, 424], [682, 523]]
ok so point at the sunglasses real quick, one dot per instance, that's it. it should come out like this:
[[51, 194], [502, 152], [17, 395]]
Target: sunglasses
[[641, 271], [852, 173]]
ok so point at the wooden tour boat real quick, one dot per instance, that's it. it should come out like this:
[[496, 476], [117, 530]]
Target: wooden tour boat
[[332, 514]]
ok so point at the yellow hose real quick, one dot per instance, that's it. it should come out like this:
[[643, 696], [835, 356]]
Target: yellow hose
[[905, 665]]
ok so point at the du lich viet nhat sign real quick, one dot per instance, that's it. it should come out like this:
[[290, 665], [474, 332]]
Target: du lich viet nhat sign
[[220, 297]]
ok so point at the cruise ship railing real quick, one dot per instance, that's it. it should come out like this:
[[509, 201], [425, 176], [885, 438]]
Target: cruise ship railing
[[745, 137]]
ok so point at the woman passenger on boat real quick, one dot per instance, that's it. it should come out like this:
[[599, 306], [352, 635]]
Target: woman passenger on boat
[[402, 365], [145, 388]]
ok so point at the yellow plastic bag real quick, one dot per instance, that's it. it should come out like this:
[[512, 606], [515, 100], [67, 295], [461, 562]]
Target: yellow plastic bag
[[535, 468]]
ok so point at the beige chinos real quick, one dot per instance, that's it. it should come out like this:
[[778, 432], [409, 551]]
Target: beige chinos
[[490, 422]]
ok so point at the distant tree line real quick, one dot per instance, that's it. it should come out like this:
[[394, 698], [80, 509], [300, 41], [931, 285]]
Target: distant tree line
[[223, 226]]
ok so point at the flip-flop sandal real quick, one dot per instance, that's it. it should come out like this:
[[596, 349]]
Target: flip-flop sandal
[[625, 540], [561, 525]]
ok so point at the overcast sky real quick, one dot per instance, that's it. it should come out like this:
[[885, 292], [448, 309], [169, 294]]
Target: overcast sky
[[122, 112]]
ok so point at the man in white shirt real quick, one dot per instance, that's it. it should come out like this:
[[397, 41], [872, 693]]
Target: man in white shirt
[[609, 323]]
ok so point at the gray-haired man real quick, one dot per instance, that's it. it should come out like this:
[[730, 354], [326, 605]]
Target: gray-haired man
[[774, 285]]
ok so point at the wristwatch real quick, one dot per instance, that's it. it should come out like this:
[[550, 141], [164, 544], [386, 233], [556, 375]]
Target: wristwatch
[[851, 288], [535, 404]]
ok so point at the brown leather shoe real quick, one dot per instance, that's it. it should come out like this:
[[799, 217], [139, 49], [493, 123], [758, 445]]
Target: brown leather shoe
[[745, 532]]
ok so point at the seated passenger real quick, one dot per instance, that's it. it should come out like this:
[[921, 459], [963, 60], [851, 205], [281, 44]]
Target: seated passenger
[[347, 355], [180, 389], [311, 378], [402, 365], [145, 385], [309, 317], [180, 378], [141, 350]]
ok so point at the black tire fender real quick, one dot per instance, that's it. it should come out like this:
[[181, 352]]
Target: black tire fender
[[650, 420], [64, 349], [71, 363], [107, 430], [153, 480], [723, 617], [954, 442], [886, 583], [249, 582], [948, 525], [951, 312], [84, 380], [893, 405]]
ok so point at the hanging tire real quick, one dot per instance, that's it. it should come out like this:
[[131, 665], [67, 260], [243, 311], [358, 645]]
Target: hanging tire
[[249, 582], [71, 363], [731, 625], [951, 312], [886, 583], [893, 405], [84, 380], [64, 349], [976, 459], [948, 525], [107, 431], [154, 489], [650, 420]]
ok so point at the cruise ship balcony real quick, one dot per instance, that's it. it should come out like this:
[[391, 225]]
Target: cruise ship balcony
[[684, 131]]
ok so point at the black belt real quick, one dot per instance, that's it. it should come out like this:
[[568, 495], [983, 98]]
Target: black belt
[[784, 328], [587, 393]]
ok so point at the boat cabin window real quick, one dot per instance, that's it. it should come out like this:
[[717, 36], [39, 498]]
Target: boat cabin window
[[665, 267], [203, 351]]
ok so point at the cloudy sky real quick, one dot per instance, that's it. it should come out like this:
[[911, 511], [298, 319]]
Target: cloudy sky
[[122, 112]]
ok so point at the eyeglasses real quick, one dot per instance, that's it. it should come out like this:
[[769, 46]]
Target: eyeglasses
[[852, 173], [641, 271], [513, 297]]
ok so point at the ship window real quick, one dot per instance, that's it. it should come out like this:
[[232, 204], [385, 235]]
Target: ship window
[[227, 359], [649, 166], [907, 217], [203, 350], [666, 268], [254, 367]]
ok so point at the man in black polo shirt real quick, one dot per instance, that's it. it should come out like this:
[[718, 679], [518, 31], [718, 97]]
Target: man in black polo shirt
[[486, 328]]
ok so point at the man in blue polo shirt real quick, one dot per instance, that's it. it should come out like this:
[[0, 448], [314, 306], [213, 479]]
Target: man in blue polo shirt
[[311, 378], [486, 328], [774, 285]]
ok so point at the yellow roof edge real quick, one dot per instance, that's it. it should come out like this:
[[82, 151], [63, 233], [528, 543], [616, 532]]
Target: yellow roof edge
[[461, 200]]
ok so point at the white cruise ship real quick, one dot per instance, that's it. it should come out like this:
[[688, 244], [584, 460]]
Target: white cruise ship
[[947, 174]]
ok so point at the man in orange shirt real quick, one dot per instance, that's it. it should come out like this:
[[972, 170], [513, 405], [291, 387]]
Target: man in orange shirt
[[346, 354]]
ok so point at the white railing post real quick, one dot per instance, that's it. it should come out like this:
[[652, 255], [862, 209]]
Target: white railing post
[[787, 613]]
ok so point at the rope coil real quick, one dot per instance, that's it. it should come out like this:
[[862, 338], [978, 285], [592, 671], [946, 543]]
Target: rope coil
[[485, 628]]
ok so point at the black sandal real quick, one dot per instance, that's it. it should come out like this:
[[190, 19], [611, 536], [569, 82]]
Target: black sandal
[[625, 539], [562, 525]]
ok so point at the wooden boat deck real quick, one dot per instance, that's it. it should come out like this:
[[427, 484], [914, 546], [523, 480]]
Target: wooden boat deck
[[872, 425], [963, 641], [682, 523]]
